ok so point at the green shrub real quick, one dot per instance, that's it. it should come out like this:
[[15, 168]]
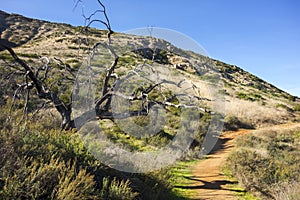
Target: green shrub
[[52, 165], [297, 108], [244, 96], [250, 96], [117, 190], [53, 180], [284, 107], [212, 78], [263, 161], [29, 55], [233, 123], [292, 98], [78, 187]]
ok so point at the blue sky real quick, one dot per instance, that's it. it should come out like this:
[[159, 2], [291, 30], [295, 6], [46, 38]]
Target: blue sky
[[261, 36]]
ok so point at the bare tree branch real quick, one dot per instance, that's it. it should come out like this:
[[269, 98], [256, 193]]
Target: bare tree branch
[[43, 92], [141, 97]]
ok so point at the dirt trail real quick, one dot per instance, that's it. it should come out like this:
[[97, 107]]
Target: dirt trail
[[209, 181]]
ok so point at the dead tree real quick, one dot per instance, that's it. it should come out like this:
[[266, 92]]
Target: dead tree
[[103, 104], [34, 81]]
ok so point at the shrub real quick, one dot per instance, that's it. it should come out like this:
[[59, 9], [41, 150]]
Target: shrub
[[297, 108], [264, 162], [244, 96], [286, 191], [56, 179], [117, 190], [233, 123], [51, 165], [250, 96], [292, 98]]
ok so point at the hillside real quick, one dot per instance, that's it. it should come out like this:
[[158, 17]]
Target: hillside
[[243, 91], [33, 146]]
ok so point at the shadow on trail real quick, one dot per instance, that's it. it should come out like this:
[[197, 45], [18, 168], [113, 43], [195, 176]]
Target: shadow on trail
[[211, 185], [220, 145]]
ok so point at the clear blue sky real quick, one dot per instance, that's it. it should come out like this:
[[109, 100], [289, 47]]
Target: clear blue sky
[[261, 36]]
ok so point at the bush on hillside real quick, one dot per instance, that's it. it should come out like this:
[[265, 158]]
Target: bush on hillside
[[297, 108], [264, 162], [232, 123]]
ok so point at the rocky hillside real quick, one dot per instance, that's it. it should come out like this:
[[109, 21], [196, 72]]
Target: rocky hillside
[[250, 101]]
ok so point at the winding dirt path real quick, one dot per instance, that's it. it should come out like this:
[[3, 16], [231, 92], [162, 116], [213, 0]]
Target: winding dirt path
[[210, 182]]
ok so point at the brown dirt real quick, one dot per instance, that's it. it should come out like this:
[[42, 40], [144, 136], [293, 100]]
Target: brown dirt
[[209, 181]]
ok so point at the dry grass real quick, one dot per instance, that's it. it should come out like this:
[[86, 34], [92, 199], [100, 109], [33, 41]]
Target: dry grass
[[254, 113], [286, 191]]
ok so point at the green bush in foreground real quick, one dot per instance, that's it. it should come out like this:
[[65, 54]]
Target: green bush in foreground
[[53, 165], [40, 162], [115, 189], [268, 163], [53, 180]]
